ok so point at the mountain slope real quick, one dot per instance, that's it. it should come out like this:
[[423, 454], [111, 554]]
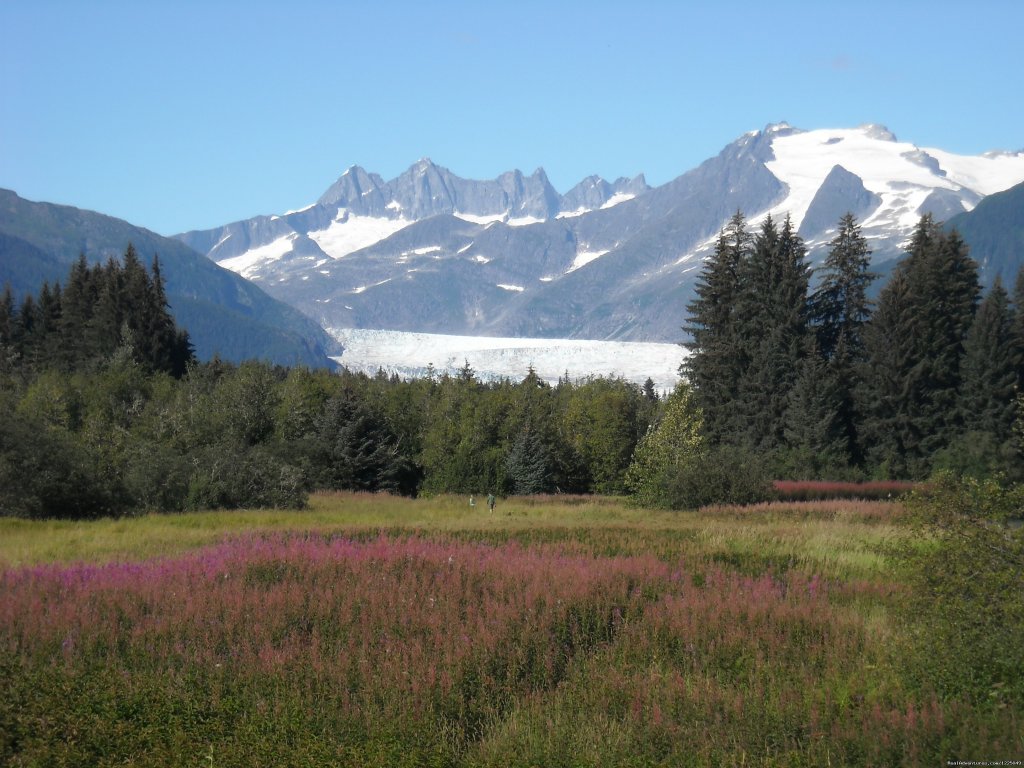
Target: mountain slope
[[995, 232], [224, 314], [431, 252]]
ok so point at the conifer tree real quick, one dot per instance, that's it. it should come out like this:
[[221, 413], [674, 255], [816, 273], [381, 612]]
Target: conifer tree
[[528, 464], [716, 360], [772, 318], [913, 374], [886, 394], [815, 431], [77, 304], [839, 306], [6, 316], [1017, 330], [991, 358], [944, 287], [839, 311]]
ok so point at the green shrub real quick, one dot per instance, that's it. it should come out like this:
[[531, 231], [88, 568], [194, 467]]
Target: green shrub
[[45, 473], [966, 569], [228, 477], [722, 475]]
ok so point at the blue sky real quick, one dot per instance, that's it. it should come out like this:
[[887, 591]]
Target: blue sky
[[190, 114]]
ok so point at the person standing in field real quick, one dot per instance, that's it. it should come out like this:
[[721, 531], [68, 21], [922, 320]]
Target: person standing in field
[[490, 501]]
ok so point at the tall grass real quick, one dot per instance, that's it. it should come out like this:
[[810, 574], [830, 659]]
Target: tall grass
[[426, 633]]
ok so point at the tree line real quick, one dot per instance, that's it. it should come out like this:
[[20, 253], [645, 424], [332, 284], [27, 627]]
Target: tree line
[[824, 383], [107, 412], [102, 309]]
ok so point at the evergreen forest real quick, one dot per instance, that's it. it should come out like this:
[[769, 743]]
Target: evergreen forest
[[790, 375]]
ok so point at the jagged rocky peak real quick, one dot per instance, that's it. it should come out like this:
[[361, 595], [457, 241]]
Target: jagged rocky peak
[[594, 192], [841, 192], [637, 185], [358, 190]]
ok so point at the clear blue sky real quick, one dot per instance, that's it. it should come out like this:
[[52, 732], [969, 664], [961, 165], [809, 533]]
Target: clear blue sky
[[189, 114]]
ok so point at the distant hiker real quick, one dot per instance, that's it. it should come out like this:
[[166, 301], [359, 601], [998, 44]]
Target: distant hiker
[[472, 501], [490, 501]]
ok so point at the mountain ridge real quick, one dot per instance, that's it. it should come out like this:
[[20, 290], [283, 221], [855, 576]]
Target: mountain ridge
[[431, 252]]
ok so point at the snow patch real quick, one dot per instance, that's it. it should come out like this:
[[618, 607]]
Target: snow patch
[[583, 258], [618, 197], [247, 265], [473, 218], [350, 233], [507, 287], [364, 288], [524, 221], [985, 174], [481, 259]]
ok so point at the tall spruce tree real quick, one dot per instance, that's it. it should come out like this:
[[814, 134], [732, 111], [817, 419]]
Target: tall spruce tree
[[924, 331], [815, 433], [1017, 329], [991, 358], [772, 318], [945, 289], [716, 360], [886, 394], [840, 306], [839, 310], [76, 312]]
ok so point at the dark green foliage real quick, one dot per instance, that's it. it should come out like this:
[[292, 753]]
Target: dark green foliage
[[889, 433], [989, 370], [717, 358], [528, 464], [816, 436], [1017, 327], [773, 325], [839, 307], [915, 345], [225, 314], [723, 475], [748, 327], [45, 472], [101, 310], [356, 450], [919, 384], [251, 478], [967, 605]]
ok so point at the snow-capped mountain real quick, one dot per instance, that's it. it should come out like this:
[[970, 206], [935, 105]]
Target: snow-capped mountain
[[431, 252]]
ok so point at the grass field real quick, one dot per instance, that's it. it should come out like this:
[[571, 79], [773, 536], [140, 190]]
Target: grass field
[[370, 630]]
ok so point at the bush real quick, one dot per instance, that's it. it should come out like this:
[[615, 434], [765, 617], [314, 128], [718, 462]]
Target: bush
[[723, 475], [231, 478], [46, 473], [967, 573]]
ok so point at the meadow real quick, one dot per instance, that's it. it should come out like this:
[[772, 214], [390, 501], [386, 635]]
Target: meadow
[[370, 630]]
